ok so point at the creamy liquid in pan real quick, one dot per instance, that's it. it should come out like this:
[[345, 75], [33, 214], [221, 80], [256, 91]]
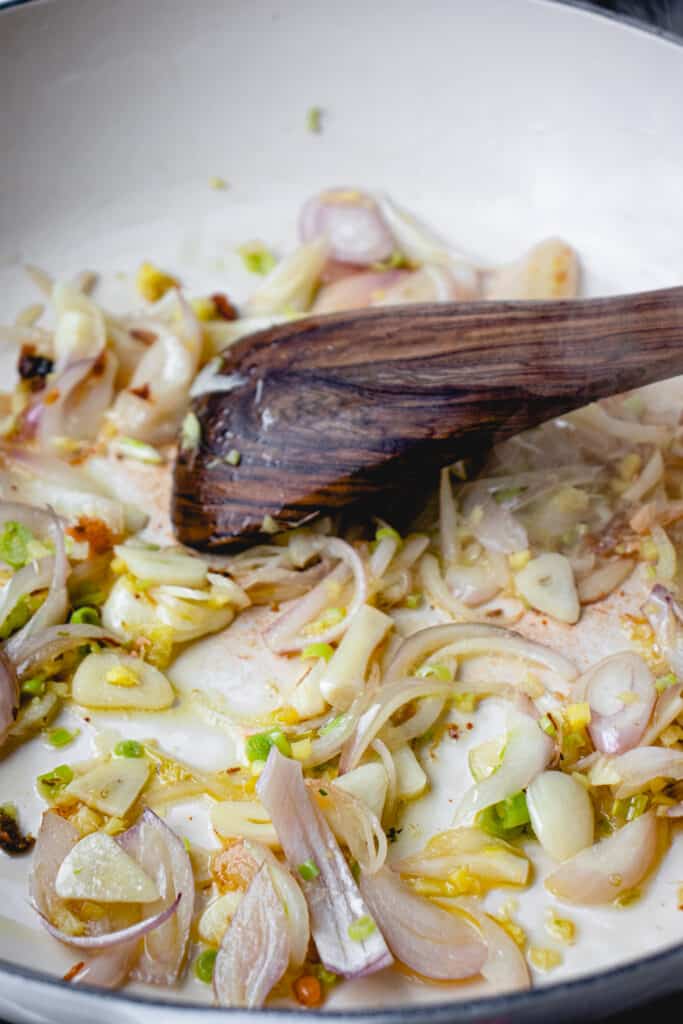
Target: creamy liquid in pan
[[244, 674]]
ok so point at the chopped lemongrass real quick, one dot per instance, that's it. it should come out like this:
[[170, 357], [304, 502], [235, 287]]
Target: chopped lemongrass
[[560, 927], [233, 458], [131, 448], [308, 870], [544, 959], [190, 433], [204, 964], [61, 737], [437, 671], [413, 600], [257, 258], [664, 682], [314, 120], [302, 749], [86, 615], [268, 525], [361, 929], [329, 618], [318, 651], [129, 748], [153, 283], [333, 724], [218, 183], [119, 675], [578, 716]]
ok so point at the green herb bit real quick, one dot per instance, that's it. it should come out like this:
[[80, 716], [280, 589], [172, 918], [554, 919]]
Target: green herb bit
[[20, 614], [190, 433], [437, 670], [129, 748], [464, 701], [61, 737], [308, 870], [546, 723], [323, 975], [323, 792], [413, 601], [233, 458], [318, 651], [187, 844], [331, 725], [314, 120], [664, 682], [51, 784], [388, 533], [257, 258], [203, 965], [15, 539], [361, 929], [85, 616], [257, 747], [507, 818], [637, 805], [34, 687]]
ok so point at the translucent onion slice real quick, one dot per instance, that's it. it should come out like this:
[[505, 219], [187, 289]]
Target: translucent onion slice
[[492, 524], [55, 840], [561, 814], [621, 693], [288, 634], [424, 937], [43, 647], [254, 952], [353, 823], [293, 901], [637, 767], [513, 645], [505, 967], [604, 871], [162, 855], [420, 646], [36, 575], [489, 858], [602, 581], [527, 752], [123, 936], [110, 968], [667, 709], [334, 900], [385, 703]]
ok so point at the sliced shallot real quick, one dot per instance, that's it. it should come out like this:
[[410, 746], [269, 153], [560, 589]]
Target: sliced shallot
[[505, 967], [254, 951], [611, 867], [334, 900], [423, 936], [9, 696], [351, 222], [162, 855], [637, 767]]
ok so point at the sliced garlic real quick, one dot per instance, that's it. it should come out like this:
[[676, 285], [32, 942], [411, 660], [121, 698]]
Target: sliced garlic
[[561, 814], [112, 787], [550, 270], [214, 922], [247, 819], [98, 869], [547, 583], [166, 565], [111, 680], [411, 780], [368, 783], [484, 759]]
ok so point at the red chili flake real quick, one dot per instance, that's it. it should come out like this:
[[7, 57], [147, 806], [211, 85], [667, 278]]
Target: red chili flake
[[224, 306], [74, 971], [470, 725], [141, 392], [95, 532]]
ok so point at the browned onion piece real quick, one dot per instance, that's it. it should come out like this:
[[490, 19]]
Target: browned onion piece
[[255, 949], [424, 937]]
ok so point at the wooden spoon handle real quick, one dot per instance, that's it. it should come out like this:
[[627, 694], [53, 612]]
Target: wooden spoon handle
[[334, 410]]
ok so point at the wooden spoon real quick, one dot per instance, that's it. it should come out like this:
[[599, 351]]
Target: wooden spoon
[[335, 410]]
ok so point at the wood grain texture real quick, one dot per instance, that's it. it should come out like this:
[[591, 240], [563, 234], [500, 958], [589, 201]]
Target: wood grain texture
[[344, 409]]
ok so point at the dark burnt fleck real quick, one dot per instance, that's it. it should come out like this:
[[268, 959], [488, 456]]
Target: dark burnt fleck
[[224, 306], [12, 839], [32, 366]]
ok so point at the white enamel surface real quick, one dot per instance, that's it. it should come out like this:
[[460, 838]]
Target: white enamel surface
[[530, 119]]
